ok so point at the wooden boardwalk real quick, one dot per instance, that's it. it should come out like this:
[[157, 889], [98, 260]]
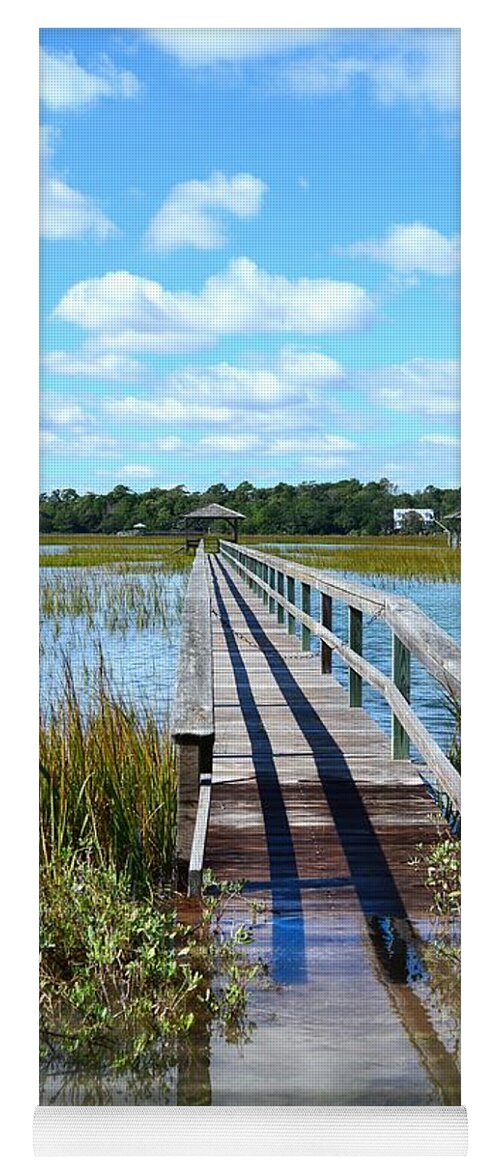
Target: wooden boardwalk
[[285, 785], [304, 787]]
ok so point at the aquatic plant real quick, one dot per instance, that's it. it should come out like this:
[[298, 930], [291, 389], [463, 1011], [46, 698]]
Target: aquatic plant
[[441, 863], [110, 602], [122, 980]]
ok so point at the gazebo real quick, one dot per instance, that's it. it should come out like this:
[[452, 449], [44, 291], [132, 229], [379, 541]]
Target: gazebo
[[210, 512]]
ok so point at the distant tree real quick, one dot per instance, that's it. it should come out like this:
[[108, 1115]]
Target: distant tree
[[413, 523]]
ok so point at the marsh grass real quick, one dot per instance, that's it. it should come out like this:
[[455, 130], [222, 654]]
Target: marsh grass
[[108, 601], [123, 554], [424, 562], [107, 786]]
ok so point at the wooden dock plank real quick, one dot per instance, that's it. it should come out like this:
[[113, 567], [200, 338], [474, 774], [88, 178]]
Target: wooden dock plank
[[304, 786]]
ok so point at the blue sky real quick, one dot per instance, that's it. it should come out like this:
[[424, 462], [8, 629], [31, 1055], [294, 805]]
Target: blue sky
[[250, 257]]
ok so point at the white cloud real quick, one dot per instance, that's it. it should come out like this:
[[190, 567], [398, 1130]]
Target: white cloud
[[410, 248], [186, 221], [162, 410], [230, 443], [419, 66], [64, 83], [83, 364], [441, 440], [142, 471], [241, 299], [320, 76], [321, 445], [425, 385], [59, 411], [198, 47], [67, 214], [255, 408], [315, 369]]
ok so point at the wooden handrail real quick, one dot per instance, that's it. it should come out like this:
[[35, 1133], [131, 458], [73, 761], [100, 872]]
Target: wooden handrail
[[193, 722], [435, 649], [193, 709], [397, 613]]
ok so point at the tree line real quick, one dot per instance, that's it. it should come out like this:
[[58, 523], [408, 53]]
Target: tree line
[[346, 506]]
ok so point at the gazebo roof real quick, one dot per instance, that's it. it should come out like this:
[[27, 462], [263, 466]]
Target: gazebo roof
[[214, 512]]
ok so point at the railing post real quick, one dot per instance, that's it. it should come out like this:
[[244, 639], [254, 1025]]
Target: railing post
[[266, 580], [356, 644], [272, 583], [260, 571], [326, 620], [281, 590], [401, 677], [306, 606], [290, 581]]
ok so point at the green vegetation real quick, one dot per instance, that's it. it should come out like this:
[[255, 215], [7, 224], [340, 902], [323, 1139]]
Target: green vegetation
[[441, 863], [121, 555], [428, 559], [107, 601], [122, 979], [346, 506], [107, 787]]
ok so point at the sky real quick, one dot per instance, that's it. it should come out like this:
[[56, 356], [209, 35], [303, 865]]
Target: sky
[[250, 257]]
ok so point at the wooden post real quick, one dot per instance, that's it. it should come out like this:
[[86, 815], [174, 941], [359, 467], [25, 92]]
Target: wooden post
[[281, 590], [326, 620], [272, 583], [187, 807], [266, 579], [193, 710], [291, 598], [401, 677], [356, 644], [258, 570], [306, 606]]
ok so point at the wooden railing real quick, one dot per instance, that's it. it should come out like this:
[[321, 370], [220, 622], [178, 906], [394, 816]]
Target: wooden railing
[[192, 726], [274, 580]]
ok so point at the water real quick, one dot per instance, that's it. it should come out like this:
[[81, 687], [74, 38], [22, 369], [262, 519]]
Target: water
[[345, 1033], [441, 602], [140, 660]]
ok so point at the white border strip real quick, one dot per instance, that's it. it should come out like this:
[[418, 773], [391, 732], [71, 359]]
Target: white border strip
[[250, 1130]]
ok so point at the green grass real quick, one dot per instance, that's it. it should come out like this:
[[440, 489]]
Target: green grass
[[121, 977], [107, 787], [105, 600], [121, 554], [428, 560]]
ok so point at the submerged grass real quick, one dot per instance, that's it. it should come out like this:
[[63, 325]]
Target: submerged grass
[[122, 554], [104, 600]]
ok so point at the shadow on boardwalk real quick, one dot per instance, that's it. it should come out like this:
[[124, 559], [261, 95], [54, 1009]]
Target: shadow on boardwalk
[[394, 941]]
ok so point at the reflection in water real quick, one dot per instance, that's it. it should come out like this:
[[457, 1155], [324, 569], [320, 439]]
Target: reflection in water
[[400, 959]]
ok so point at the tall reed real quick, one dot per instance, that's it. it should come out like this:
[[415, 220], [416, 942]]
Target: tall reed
[[107, 786]]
